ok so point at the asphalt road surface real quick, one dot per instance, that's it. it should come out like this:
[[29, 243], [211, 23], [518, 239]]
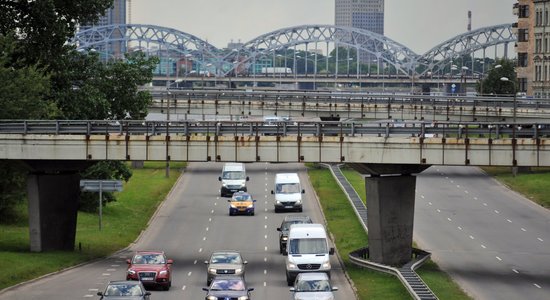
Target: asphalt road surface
[[494, 242], [190, 224]]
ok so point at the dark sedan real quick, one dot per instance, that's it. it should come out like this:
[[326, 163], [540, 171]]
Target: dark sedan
[[228, 287], [285, 228]]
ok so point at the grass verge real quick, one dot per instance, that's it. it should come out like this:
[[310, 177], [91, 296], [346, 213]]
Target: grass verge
[[123, 221], [349, 236]]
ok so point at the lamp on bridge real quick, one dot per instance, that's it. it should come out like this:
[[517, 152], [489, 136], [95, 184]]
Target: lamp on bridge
[[506, 79]]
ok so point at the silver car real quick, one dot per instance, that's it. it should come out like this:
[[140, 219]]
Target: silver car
[[312, 286], [224, 263]]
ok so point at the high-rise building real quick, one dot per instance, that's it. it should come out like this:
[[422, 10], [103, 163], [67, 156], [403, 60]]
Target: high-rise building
[[539, 17], [114, 15], [362, 14]]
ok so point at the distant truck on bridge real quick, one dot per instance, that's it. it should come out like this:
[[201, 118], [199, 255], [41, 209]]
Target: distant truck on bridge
[[276, 70]]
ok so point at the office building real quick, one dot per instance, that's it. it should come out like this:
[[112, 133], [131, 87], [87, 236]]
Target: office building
[[539, 49]]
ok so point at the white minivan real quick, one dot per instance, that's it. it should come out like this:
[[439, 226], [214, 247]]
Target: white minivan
[[233, 179], [288, 192], [308, 251]]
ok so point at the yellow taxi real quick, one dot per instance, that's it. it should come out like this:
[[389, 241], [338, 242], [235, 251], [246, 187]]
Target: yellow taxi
[[241, 203]]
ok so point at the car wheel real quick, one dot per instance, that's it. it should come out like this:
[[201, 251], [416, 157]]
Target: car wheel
[[252, 213], [280, 250], [289, 281], [166, 287], [276, 210]]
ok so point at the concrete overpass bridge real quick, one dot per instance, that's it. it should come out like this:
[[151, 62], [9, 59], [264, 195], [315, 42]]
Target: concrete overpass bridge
[[56, 150], [238, 104]]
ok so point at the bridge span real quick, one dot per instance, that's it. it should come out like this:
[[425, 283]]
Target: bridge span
[[56, 151]]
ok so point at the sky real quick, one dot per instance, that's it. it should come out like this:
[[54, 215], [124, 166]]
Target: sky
[[418, 24]]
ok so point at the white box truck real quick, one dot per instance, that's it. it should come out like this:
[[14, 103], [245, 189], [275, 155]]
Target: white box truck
[[233, 179], [288, 192], [307, 250]]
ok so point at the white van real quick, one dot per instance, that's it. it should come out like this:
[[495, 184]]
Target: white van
[[288, 192], [307, 250], [233, 179]]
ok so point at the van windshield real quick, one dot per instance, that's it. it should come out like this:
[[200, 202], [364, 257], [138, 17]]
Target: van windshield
[[308, 246], [233, 175], [287, 188]]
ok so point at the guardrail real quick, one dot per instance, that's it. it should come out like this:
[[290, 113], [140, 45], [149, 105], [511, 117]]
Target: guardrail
[[247, 128]]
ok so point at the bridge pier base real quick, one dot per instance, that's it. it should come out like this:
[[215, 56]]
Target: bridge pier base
[[390, 211], [53, 204]]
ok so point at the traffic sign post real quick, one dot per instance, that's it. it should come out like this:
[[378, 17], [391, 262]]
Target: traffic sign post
[[100, 186]]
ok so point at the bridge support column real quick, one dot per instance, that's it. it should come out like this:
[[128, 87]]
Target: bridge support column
[[53, 203], [390, 211]]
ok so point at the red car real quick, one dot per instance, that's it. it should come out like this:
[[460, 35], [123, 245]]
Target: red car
[[151, 268]]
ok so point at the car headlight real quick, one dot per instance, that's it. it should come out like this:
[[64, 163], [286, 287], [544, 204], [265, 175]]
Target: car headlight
[[224, 184], [278, 202], [243, 298], [212, 271], [326, 265], [238, 271], [131, 272], [232, 206], [212, 298], [285, 238], [291, 266], [250, 206], [298, 201], [163, 272]]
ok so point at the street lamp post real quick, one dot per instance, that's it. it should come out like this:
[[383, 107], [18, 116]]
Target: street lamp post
[[506, 79], [483, 77]]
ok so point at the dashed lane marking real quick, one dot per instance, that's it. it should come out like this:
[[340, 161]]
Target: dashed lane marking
[[483, 246], [189, 274], [523, 229], [183, 288], [515, 271], [538, 286], [459, 228], [540, 239], [499, 259], [449, 219], [471, 237], [509, 221]]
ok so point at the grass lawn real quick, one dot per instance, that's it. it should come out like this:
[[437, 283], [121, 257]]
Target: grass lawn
[[123, 221], [533, 184], [349, 235]]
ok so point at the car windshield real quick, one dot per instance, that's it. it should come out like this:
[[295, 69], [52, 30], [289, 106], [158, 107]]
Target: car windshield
[[233, 175], [308, 246], [286, 224], [287, 188], [242, 197], [227, 285], [150, 259], [226, 258], [123, 290], [313, 286]]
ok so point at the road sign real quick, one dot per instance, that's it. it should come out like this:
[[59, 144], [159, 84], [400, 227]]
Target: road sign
[[100, 186], [103, 185]]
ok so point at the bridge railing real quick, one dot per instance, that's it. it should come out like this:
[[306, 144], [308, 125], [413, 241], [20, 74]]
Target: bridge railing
[[384, 128]]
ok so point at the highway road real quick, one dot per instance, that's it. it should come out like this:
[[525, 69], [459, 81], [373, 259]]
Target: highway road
[[494, 242], [189, 225]]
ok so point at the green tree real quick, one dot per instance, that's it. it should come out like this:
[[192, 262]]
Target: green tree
[[492, 83]]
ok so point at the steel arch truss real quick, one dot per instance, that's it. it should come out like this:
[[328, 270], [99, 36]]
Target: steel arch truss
[[155, 38], [385, 49], [441, 55]]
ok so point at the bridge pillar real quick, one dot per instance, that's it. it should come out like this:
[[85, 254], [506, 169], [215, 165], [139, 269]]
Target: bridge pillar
[[53, 203], [390, 211]]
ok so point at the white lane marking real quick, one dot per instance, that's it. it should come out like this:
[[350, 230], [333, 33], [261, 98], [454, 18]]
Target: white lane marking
[[265, 226], [540, 239], [538, 286], [497, 212], [265, 248], [209, 219], [265, 209], [499, 259], [459, 228], [105, 274], [93, 290], [483, 246], [88, 296], [265, 259], [266, 190], [265, 283], [484, 204], [195, 262], [523, 229], [115, 266], [475, 198], [509, 221], [265, 271], [189, 274], [111, 270], [266, 217], [422, 196], [466, 192], [429, 203], [204, 238], [458, 186], [471, 237], [266, 184], [206, 228], [449, 219], [515, 271], [265, 236], [438, 210], [200, 250], [183, 288], [212, 211]]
